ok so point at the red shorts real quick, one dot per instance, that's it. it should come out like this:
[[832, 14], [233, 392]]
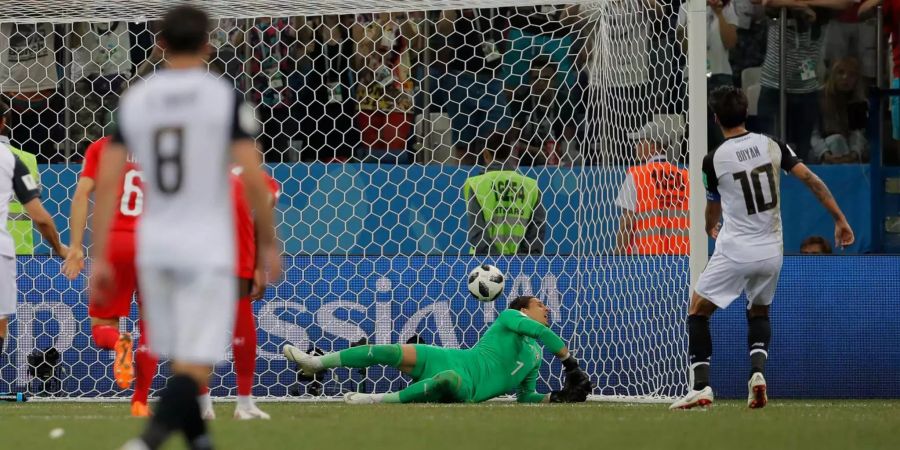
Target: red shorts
[[122, 258]]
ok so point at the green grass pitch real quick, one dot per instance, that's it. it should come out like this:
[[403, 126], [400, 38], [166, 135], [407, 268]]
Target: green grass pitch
[[785, 424]]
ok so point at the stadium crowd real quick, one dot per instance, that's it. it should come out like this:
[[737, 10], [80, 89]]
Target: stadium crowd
[[435, 86]]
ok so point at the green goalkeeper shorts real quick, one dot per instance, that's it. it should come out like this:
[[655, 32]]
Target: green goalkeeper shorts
[[434, 362]]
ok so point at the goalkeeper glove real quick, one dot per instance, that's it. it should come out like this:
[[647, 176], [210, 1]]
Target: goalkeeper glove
[[573, 394], [578, 384], [559, 397], [574, 375]]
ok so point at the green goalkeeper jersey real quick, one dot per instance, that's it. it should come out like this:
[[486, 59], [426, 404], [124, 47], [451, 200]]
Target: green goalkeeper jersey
[[508, 358]]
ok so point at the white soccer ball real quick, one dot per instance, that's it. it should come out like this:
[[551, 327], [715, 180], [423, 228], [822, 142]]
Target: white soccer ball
[[486, 283]]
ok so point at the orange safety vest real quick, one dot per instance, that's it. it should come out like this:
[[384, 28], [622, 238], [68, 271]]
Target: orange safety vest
[[661, 222]]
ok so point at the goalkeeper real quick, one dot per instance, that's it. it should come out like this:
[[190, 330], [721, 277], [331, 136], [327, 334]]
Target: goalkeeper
[[506, 358]]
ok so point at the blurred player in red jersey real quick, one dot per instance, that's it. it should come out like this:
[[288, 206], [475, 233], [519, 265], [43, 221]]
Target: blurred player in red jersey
[[251, 287], [105, 316]]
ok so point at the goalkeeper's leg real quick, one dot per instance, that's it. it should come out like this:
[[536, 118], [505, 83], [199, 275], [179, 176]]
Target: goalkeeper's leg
[[430, 365], [447, 386], [402, 357]]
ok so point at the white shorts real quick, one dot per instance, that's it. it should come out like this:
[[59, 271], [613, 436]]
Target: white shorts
[[189, 313], [7, 286], [723, 280]]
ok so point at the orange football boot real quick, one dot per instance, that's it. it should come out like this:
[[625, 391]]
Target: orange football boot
[[140, 409], [123, 367]]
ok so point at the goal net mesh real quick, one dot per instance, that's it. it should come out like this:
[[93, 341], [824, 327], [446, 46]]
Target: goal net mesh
[[373, 117]]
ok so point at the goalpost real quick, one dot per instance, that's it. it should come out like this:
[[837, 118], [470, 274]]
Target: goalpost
[[377, 252]]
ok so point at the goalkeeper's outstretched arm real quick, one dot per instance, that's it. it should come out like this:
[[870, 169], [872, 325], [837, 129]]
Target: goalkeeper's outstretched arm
[[528, 316], [571, 393]]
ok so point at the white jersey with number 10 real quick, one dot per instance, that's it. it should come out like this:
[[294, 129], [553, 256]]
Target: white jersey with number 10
[[744, 174]]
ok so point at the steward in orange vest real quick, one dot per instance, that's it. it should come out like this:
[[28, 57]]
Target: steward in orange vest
[[654, 202]]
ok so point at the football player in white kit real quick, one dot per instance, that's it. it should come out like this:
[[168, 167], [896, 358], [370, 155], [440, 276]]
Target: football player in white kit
[[742, 184], [185, 127], [17, 182]]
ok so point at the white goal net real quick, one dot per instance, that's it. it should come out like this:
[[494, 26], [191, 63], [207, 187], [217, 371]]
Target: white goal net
[[374, 115]]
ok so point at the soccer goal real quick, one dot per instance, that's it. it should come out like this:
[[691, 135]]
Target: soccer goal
[[373, 115]]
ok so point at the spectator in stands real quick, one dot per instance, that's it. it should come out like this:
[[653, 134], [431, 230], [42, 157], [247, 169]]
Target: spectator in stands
[[891, 12], [143, 40], [654, 194], [805, 31], [620, 94], [839, 137], [538, 123], [226, 39], [750, 50], [326, 105], [19, 223], [273, 57], [101, 67], [153, 60], [721, 37], [572, 120], [850, 36], [466, 72], [535, 31], [28, 79], [815, 245], [385, 44], [505, 213]]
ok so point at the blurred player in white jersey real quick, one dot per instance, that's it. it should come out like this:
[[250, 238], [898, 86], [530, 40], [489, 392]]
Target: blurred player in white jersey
[[17, 182], [184, 127], [742, 184]]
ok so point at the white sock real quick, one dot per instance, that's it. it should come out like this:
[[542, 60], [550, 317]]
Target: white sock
[[205, 402], [244, 401]]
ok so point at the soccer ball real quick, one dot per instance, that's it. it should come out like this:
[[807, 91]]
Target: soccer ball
[[486, 283]]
